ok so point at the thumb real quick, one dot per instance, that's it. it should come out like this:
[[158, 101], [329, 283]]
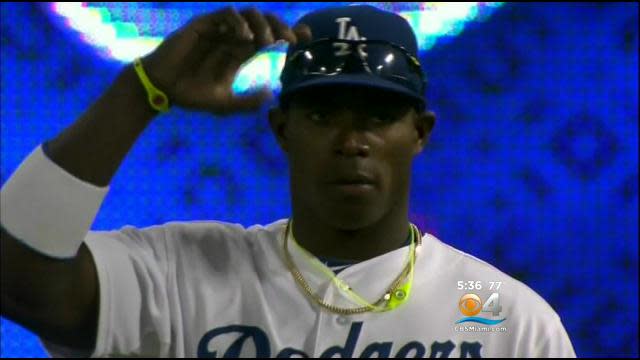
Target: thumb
[[245, 103]]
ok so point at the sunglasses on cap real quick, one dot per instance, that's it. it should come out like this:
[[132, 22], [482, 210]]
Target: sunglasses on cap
[[330, 57]]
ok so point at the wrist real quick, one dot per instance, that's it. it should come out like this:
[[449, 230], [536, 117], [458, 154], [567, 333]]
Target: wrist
[[156, 98], [156, 76], [128, 85]]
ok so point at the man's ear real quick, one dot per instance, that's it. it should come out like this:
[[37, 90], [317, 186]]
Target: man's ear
[[425, 121], [278, 122]]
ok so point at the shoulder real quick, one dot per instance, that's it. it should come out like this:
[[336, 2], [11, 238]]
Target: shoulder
[[443, 257], [191, 231], [186, 237], [533, 327], [218, 232], [469, 274]]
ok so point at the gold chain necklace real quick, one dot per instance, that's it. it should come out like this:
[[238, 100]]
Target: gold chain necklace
[[381, 304]]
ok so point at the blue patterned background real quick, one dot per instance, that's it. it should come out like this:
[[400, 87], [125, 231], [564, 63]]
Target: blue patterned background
[[533, 165]]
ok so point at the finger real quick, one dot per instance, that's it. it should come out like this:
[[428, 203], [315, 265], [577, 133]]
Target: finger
[[223, 62], [280, 30], [226, 23], [241, 26], [259, 26], [248, 103], [303, 33]]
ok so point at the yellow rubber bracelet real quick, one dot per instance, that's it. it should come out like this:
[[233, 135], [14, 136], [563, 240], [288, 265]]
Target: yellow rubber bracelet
[[157, 99]]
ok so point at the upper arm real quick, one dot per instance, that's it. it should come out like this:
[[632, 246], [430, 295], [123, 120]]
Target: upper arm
[[56, 299]]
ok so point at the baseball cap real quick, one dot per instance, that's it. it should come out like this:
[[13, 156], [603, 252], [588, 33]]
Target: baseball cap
[[357, 45]]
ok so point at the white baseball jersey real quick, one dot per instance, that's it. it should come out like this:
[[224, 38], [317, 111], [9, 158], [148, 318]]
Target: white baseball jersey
[[215, 289]]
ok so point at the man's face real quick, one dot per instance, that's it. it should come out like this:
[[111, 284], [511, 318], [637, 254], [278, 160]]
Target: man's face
[[350, 152]]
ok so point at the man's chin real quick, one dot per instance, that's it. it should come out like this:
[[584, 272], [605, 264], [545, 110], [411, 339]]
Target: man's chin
[[352, 218]]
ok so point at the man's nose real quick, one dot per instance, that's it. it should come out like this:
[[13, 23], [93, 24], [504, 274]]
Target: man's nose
[[351, 137]]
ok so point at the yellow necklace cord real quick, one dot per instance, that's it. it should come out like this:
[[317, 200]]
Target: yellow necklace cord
[[392, 298]]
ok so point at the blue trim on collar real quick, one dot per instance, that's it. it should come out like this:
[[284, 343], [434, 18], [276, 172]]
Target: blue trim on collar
[[335, 262]]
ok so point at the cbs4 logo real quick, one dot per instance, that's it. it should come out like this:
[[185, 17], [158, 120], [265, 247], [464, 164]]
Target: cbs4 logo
[[471, 304]]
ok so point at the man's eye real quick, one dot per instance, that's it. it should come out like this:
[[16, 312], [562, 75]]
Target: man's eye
[[317, 116], [383, 118]]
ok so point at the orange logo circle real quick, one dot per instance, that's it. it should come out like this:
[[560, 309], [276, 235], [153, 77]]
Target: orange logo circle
[[470, 304]]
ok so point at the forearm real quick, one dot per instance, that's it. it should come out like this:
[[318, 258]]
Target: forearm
[[38, 213], [94, 146]]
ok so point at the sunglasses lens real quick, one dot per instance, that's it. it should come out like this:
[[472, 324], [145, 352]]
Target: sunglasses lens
[[321, 60], [331, 57]]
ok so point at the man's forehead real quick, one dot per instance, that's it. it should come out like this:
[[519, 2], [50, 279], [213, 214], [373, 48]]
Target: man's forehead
[[345, 94]]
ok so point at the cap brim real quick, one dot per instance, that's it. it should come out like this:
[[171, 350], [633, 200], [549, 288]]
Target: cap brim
[[363, 80]]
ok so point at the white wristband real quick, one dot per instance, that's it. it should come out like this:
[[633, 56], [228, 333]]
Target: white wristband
[[47, 208]]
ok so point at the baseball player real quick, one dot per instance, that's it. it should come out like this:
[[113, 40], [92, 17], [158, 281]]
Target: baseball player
[[345, 275]]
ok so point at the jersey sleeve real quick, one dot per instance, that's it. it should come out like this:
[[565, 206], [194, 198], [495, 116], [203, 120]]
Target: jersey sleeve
[[134, 316], [556, 342], [541, 333]]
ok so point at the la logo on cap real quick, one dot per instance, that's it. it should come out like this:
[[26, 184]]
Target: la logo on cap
[[342, 49], [352, 34]]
